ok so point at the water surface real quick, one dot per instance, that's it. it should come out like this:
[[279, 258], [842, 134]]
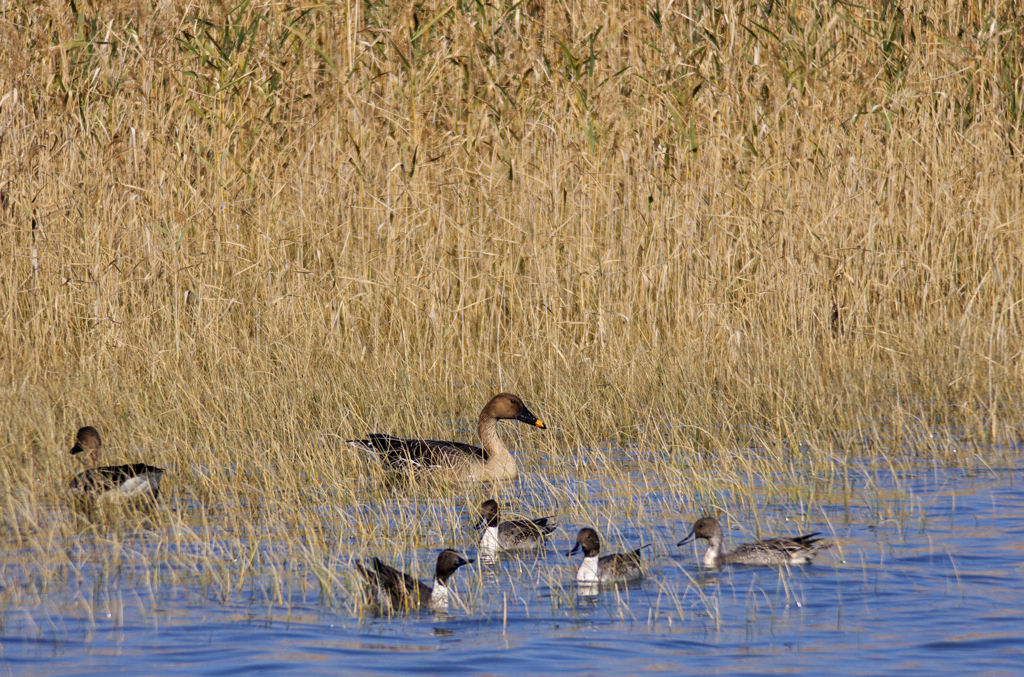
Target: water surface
[[927, 581]]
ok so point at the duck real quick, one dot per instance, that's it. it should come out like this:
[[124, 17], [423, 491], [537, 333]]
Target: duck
[[489, 463], [111, 482], [620, 567], [405, 592], [769, 552], [520, 534]]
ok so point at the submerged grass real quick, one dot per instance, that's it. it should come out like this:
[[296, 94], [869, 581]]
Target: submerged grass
[[723, 250]]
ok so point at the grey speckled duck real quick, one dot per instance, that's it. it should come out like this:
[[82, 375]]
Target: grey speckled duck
[[521, 534], [769, 552], [111, 482], [405, 592], [457, 459], [616, 568]]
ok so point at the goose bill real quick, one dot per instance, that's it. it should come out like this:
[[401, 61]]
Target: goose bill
[[527, 417]]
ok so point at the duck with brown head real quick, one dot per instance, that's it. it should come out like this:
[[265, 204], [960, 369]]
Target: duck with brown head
[[769, 552], [509, 535], [457, 459], [620, 567], [402, 592], [111, 482]]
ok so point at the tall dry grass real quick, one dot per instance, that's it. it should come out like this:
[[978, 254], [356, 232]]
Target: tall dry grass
[[235, 235]]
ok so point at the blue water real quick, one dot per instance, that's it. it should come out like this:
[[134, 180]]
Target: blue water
[[928, 581]]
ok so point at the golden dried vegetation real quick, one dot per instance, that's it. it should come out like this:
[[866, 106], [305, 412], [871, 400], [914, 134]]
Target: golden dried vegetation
[[236, 235]]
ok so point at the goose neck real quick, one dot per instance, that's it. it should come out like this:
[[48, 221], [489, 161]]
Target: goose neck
[[492, 444]]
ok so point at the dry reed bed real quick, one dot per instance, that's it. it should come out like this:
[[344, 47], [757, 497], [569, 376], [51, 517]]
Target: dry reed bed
[[755, 240]]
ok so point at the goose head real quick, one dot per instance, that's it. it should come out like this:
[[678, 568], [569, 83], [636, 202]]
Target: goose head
[[509, 406]]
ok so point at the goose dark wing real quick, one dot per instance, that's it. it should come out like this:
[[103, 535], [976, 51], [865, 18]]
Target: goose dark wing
[[425, 453]]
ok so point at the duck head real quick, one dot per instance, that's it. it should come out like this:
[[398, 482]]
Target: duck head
[[589, 541], [447, 563], [706, 528], [87, 441], [488, 514]]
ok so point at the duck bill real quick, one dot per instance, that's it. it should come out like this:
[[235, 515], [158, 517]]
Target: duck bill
[[77, 449], [526, 416], [686, 540], [460, 562], [575, 549], [481, 523]]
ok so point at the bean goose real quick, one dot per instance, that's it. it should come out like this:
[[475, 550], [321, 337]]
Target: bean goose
[[490, 462]]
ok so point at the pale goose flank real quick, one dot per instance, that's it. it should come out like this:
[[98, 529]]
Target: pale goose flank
[[111, 482], [520, 534], [770, 552], [464, 461], [616, 568], [404, 592]]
